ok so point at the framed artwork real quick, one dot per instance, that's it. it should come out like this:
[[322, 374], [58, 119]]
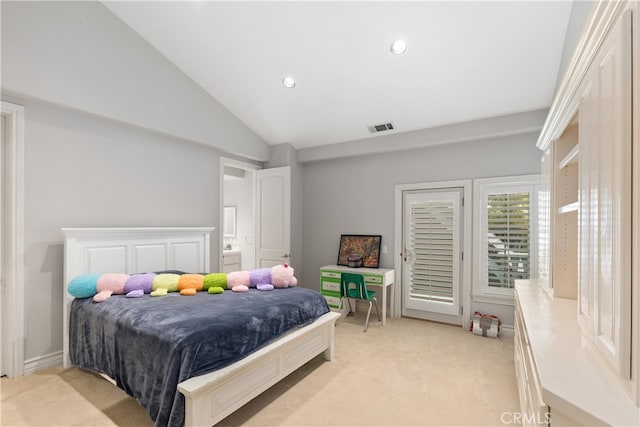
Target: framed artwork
[[360, 244]]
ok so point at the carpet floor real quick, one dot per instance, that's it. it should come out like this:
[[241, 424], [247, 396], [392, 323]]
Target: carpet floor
[[408, 373]]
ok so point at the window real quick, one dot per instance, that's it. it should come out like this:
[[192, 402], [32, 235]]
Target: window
[[506, 234]]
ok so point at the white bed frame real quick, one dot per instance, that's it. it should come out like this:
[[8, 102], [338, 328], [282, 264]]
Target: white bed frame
[[211, 397]]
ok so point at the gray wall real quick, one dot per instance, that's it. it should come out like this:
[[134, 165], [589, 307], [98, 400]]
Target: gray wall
[[81, 171], [356, 195], [115, 136], [80, 55]]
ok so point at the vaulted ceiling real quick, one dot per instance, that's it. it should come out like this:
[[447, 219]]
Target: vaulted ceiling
[[464, 61]]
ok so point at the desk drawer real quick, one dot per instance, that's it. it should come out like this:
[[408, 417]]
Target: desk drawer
[[374, 280], [331, 286], [333, 301], [331, 274]]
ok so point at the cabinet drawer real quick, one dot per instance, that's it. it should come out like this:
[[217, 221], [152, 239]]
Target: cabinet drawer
[[531, 403], [331, 286], [331, 274], [374, 280], [519, 325], [333, 301], [231, 259]]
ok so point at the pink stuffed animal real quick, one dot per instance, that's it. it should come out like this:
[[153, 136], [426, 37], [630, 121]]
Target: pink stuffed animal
[[109, 284], [282, 276]]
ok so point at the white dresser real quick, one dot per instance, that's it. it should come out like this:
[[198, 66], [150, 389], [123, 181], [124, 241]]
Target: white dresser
[[561, 381]]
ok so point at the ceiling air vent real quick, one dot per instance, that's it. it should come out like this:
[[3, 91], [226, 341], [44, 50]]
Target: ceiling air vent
[[381, 128]]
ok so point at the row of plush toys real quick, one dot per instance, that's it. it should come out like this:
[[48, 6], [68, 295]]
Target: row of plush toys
[[102, 286]]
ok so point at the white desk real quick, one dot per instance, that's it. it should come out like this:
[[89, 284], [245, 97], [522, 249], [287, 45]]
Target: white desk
[[330, 284]]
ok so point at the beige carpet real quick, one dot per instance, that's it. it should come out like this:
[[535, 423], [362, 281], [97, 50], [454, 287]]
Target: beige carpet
[[408, 373]]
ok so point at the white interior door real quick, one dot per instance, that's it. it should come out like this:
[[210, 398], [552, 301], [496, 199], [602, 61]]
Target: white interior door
[[431, 254], [273, 216]]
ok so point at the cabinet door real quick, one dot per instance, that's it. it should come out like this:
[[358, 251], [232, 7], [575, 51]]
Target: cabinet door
[[587, 197], [609, 205], [544, 217]]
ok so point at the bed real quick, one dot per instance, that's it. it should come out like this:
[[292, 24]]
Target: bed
[[200, 391]]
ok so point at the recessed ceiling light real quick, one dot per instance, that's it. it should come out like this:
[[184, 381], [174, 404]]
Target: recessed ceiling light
[[289, 82], [398, 47]]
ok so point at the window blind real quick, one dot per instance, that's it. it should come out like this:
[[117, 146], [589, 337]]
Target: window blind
[[508, 238], [432, 240]]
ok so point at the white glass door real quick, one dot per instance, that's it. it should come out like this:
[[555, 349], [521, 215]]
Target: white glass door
[[432, 253]]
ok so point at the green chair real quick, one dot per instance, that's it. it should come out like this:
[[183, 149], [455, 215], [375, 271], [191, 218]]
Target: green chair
[[353, 286]]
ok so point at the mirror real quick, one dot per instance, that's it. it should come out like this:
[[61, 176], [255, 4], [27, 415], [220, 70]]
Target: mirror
[[229, 221]]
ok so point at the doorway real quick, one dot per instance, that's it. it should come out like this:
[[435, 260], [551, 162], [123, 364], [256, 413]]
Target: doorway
[[260, 200], [12, 240], [432, 236], [237, 198]]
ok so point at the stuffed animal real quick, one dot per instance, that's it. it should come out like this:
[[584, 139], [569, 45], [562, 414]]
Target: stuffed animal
[[238, 281], [109, 284], [102, 286], [260, 279], [215, 283], [282, 276], [164, 283], [138, 285], [263, 279]]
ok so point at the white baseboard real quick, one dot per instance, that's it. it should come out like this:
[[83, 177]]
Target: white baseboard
[[42, 362], [507, 330]]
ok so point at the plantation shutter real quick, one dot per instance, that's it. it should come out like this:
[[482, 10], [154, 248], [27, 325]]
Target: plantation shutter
[[508, 238], [432, 239]]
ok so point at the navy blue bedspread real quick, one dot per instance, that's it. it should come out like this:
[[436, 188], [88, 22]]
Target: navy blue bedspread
[[150, 344]]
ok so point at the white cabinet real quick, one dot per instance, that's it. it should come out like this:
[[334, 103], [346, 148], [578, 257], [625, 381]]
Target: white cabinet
[[230, 261], [587, 251], [605, 190], [544, 218], [532, 406], [560, 381]]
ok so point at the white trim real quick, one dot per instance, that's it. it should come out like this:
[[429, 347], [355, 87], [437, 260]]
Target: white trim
[[227, 161], [42, 362], [507, 331], [465, 297], [13, 307], [508, 300], [635, 211], [603, 16], [481, 187]]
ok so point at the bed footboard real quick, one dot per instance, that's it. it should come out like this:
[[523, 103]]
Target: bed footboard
[[211, 397]]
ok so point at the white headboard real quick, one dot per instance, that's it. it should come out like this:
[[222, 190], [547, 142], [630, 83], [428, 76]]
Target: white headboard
[[130, 250]]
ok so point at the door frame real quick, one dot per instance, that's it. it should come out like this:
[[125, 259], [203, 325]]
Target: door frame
[[13, 310], [467, 233], [239, 164]]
